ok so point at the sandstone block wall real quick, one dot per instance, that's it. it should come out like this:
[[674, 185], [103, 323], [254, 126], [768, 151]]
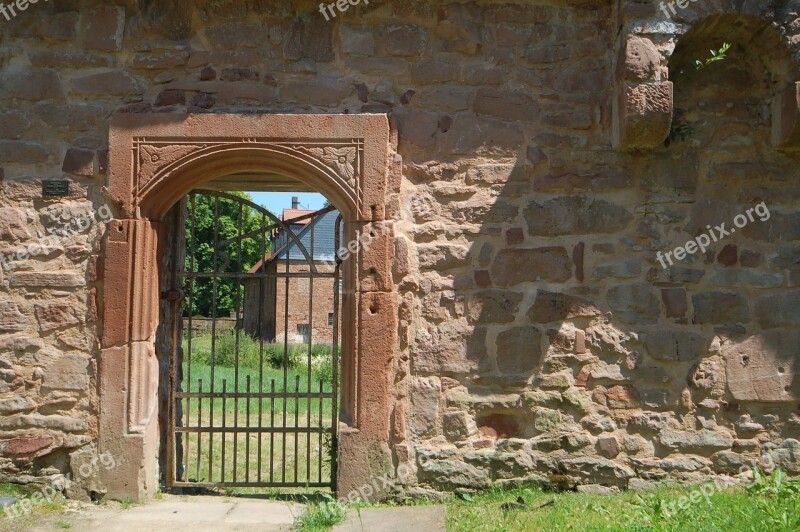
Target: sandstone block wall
[[540, 336]]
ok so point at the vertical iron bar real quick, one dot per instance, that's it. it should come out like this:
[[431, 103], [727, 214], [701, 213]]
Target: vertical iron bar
[[224, 432], [192, 225], [238, 281], [247, 436], [312, 267], [320, 423], [261, 335], [199, 424], [337, 280], [212, 384], [296, 421], [191, 289], [285, 355], [272, 434]]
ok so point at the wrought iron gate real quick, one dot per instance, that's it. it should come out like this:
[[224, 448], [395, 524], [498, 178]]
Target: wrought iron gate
[[253, 402]]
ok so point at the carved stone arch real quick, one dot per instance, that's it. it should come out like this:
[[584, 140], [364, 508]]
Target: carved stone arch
[[155, 160]]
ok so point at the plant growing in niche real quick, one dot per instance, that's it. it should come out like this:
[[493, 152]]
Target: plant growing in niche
[[682, 129]]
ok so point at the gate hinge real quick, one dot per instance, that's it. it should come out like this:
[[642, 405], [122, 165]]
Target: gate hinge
[[172, 295]]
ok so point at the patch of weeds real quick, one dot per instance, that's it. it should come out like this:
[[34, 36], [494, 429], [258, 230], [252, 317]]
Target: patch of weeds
[[126, 503], [777, 484], [321, 515], [64, 525]]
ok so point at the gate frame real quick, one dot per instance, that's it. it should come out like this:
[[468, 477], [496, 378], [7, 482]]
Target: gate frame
[[155, 160]]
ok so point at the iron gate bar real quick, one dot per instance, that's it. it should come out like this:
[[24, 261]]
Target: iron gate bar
[[241, 395], [232, 275], [182, 433]]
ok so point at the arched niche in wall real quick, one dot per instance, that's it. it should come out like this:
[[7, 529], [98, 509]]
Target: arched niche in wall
[[731, 101]]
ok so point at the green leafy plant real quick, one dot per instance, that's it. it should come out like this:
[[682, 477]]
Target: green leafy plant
[[681, 129], [777, 484], [716, 55]]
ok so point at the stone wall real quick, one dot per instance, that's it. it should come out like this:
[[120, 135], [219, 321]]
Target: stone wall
[[540, 336]]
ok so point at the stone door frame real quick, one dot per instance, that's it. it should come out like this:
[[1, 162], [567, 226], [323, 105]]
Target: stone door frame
[[155, 160]]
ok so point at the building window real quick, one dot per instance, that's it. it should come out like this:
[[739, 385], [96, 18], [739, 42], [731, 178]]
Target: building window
[[330, 319], [302, 332]]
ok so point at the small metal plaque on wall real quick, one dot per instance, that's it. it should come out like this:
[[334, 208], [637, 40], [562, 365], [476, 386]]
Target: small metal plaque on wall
[[55, 188]]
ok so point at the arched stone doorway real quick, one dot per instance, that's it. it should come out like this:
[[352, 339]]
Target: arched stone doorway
[[154, 161]]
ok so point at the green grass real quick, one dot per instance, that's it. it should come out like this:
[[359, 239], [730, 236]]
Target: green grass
[[771, 503], [232, 349], [627, 511]]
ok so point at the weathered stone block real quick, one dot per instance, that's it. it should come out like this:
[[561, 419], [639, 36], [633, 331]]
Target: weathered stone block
[[425, 398], [519, 350], [696, 440], [78, 162], [318, 91], [13, 124], [787, 456], [11, 319], [104, 28], [514, 266], [357, 40], [450, 349], [69, 372], [57, 315], [622, 397], [675, 345], [634, 303], [17, 150], [720, 307], [642, 115], [764, 367], [405, 39], [506, 105], [554, 306], [26, 446], [778, 310], [115, 83], [458, 426], [14, 405], [48, 279], [32, 85], [575, 215], [597, 470], [493, 306], [13, 225], [638, 60], [309, 37], [608, 446], [38, 421], [625, 269]]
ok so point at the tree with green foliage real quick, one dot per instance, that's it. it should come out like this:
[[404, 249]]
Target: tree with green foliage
[[215, 219]]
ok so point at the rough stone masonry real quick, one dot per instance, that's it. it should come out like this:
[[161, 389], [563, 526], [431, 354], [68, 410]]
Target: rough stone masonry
[[548, 151]]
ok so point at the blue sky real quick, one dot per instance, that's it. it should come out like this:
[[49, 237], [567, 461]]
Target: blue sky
[[277, 201]]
